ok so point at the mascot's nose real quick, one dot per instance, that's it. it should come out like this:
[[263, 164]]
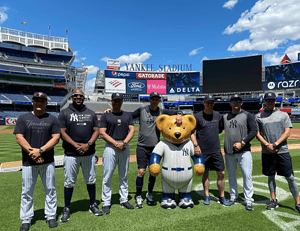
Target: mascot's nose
[[177, 135]]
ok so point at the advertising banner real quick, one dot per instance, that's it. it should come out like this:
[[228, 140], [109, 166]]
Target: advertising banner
[[284, 72], [138, 86], [10, 121], [6, 101], [120, 74], [115, 85], [159, 86], [295, 111], [280, 84], [145, 75], [183, 79], [184, 90], [113, 64]]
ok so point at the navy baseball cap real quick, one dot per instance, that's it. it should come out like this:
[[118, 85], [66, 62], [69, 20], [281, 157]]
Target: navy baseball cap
[[154, 94], [270, 95], [117, 96], [236, 96], [39, 95], [209, 97]]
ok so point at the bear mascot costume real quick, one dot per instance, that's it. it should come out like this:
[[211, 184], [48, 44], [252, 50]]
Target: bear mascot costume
[[176, 150]]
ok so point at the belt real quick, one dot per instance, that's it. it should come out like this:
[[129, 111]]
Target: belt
[[176, 169]]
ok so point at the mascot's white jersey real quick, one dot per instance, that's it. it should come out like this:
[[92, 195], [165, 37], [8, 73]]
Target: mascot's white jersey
[[177, 171]]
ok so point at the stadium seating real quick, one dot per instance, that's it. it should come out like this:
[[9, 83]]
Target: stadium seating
[[12, 68], [14, 95], [44, 71], [15, 55]]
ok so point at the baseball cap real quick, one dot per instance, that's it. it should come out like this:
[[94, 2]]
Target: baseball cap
[[209, 97], [236, 96], [269, 95], [39, 95], [153, 94], [117, 96]]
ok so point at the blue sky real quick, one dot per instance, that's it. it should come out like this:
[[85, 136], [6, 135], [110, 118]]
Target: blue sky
[[162, 32]]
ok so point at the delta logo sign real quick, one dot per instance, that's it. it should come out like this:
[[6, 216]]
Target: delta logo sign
[[184, 90]]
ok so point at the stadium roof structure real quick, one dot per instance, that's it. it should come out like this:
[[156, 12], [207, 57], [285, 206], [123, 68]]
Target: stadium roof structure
[[32, 39]]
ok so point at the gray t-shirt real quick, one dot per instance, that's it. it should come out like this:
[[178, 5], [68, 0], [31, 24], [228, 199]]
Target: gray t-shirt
[[272, 124]]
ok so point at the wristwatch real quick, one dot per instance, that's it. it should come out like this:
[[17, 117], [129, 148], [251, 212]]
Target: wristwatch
[[41, 150], [90, 144], [275, 145], [196, 145], [124, 143], [242, 144]]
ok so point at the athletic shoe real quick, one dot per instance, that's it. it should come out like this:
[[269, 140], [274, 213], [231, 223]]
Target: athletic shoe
[[168, 204], [297, 208], [65, 215], [249, 206], [150, 200], [138, 202], [106, 209], [52, 223], [273, 204], [186, 203], [95, 210], [223, 201], [25, 227], [126, 205], [206, 200], [233, 200]]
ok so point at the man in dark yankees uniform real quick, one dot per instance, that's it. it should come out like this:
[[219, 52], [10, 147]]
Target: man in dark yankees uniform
[[37, 132], [79, 130]]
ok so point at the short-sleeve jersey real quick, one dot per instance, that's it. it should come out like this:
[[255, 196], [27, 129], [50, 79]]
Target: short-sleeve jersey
[[272, 124], [116, 124], [37, 130], [80, 127], [149, 135], [175, 156], [207, 132]]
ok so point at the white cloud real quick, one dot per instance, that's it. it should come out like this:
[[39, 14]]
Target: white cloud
[[132, 58], [83, 58], [92, 69], [275, 58], [195, 51], [204, 58], [90, 84], [3, 15], [230, 4], [270, 24]]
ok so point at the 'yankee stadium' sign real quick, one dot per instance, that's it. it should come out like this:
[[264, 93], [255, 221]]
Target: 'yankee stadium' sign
[[161, 67]]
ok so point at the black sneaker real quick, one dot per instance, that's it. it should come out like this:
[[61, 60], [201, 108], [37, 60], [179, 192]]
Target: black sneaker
[[273, 204], [126, 205], [249, 206], [150, 200], [224, 202], [106, 209], [52, 223], [297, 208], [95, 210], [25, 227], [65, 215]]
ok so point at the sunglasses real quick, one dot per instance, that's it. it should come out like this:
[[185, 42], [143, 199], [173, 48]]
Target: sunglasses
[[270, 100], [235, 101], [40, 95], [77, 95]]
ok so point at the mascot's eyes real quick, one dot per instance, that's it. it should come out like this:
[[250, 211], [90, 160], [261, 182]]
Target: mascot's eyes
[[170, 128], [183, 127]]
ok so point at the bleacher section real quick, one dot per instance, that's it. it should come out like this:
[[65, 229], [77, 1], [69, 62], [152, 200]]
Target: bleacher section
[[12, 68], [52, 73], [54, 59], [14, 95], [15, 55]]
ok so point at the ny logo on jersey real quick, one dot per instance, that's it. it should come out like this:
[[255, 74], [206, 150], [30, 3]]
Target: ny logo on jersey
[[73, 117], [150, 121], [233, 124], [185, 152], [119, 122]]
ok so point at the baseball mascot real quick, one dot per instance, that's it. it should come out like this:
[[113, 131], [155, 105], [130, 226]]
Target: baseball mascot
[[177, 151]]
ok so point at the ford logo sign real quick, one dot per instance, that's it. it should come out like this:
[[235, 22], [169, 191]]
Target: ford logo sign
[[136, 85]]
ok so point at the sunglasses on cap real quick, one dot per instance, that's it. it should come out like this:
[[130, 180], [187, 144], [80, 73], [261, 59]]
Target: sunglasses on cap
[[77, 95], [40, 95], [235, 101], [270, 100]]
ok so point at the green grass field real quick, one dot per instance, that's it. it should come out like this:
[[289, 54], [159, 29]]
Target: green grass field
[[213, 217]]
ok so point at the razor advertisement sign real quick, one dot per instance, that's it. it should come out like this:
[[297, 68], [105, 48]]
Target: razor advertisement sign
[[273, 85]]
